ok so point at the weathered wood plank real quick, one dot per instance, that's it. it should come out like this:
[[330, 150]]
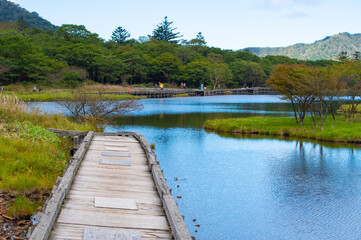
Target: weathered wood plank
[[75, 232], [91, 233], [143, 209], [114, 162], [119, 149], [116, 154], [141, 197], [113, 220], [121, 203]]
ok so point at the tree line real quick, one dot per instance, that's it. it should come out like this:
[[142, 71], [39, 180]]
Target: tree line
[[73, 54]]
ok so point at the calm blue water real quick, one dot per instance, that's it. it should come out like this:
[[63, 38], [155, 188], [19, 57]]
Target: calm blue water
[[249, 188]]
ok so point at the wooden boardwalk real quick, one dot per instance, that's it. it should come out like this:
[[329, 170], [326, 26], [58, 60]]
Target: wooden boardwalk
[[168, 92], [114, 196]]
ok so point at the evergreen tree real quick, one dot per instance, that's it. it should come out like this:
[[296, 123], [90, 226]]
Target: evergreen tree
[[342, 56], [201, 40], [22, 24], [164, 32], [120, 35], [357, 55]]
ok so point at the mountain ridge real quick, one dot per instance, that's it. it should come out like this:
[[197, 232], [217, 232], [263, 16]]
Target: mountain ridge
[[11, 12], [327, 48]]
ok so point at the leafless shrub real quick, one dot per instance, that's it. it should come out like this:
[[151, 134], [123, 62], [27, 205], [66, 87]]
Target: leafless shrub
[[84, 107]]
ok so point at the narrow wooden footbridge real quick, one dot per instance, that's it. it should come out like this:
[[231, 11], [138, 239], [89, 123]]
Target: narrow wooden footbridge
[[113, 188], [169, 92]]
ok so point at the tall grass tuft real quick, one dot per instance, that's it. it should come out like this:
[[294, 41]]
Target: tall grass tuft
[[22, 207], [11, 103]]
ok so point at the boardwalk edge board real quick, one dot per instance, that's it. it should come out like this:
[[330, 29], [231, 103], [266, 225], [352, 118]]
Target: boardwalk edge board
[[175, 219], [52, 208]]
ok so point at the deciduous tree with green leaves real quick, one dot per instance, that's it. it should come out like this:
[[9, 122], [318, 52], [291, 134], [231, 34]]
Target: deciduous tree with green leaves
[[219, 71], [293, 82]]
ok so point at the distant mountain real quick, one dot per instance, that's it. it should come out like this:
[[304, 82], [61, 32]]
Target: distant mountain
[[10, 12], [327, 48]]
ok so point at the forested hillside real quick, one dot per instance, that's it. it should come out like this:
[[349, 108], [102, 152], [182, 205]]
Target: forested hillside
[[327, 48], [73, 54], [10, 12]]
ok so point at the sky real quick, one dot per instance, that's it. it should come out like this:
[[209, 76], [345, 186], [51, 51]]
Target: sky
[[227, 24]]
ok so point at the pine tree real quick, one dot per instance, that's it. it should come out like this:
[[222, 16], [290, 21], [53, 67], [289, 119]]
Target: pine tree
[[164, 32], [120, 35]]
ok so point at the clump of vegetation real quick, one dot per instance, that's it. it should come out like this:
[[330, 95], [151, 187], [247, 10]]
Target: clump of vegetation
[[31, 157], [228, 93], [23, 207], [349, 110], [181, 95], [339, 131]]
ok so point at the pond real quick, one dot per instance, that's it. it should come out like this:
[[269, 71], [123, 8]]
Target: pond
[[246, 187]]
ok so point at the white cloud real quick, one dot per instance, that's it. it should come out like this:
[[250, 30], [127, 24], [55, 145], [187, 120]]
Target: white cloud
[[297, 14], [288, 3]]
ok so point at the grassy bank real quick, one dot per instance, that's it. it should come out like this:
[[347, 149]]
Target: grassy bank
[[48, 94], [31, 157], [336, 131]]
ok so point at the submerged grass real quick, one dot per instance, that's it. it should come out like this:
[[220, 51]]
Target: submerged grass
[[337, 131]]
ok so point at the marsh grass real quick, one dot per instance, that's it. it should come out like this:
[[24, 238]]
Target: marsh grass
[[26, 93], [31, 157], [181, 95], [22, 207], [337, 131]]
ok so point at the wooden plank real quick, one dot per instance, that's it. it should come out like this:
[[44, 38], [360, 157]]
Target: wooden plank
[[91, 233], [116, 140], [141, 197], [117, 180], [143, 209], [112, 220], [139, 168], [136, 165], [116, 154], [113, 144], [100, 171], [120, 149], [114, 162], [75, 232], [114, 187], [121, 203]]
